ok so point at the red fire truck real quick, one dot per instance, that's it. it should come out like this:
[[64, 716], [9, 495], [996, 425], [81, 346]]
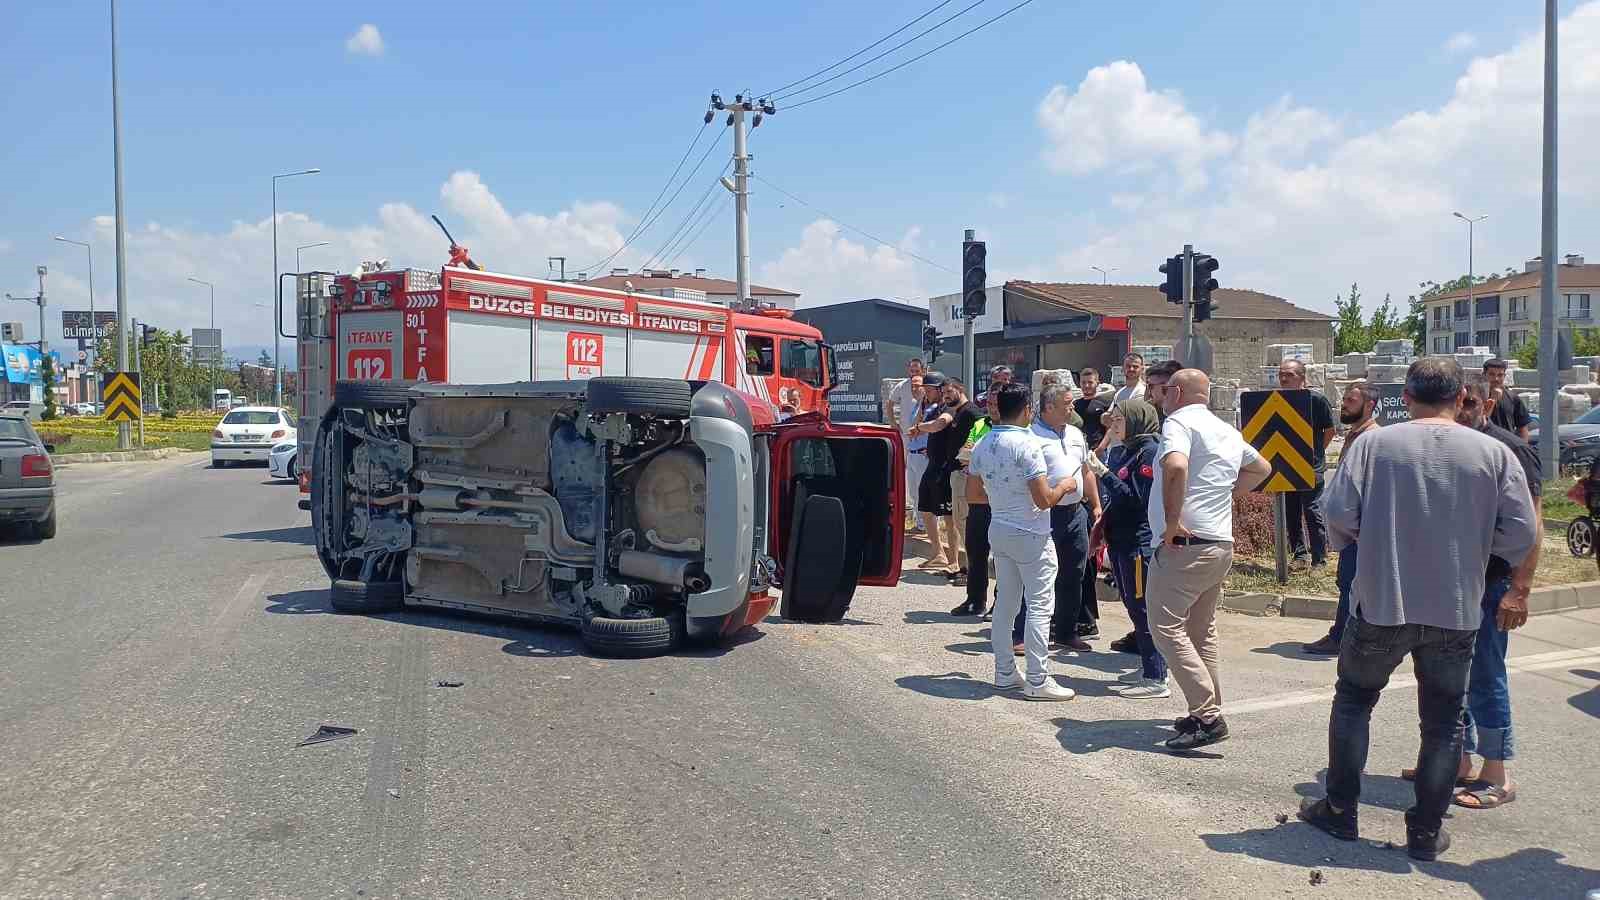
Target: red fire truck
[[463, 325]]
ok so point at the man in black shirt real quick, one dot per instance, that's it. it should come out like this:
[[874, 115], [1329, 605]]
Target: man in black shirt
[[1306, 506], [1505, 607], [1091, 407], [946, 435], [1510, 412]]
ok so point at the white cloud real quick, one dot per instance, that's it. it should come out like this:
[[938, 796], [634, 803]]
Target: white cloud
[[1114, 121], [1461, 42], [238, 259], [827, 267], [1294, 193], [365, 42]]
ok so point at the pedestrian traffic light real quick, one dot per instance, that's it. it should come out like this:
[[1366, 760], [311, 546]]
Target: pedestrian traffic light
[[974, 278], [147, 335], [930, 342], [1173, 287]]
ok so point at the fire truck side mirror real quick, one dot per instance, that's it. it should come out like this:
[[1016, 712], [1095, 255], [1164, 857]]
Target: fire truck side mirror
[[831, 366]]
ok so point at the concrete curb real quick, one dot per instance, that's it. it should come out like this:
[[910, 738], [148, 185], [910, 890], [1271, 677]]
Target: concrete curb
[[1552, 599], [79, 459]]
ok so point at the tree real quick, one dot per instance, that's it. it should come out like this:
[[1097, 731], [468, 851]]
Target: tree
[[1386, 324], [1585, 342], [1415, 325], [1350, 332], [47, 374]]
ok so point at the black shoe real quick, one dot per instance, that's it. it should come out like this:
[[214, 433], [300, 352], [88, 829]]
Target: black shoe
[[988, 615], [1203, 736], [965, 609], [1186, 725], [1341, 825], [1088, 631], [1425, 845], [1125, 644], [1327, 646]]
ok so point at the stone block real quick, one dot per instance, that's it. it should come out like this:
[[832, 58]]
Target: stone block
[[1387, 373], [1524, 378], [1324, 608], [1355, 363], [1253, 604], [1394, 347], [1277, 353]]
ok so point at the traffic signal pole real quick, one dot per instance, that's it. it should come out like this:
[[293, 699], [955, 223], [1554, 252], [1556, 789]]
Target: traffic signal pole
[[1186, 337], [969, 352]]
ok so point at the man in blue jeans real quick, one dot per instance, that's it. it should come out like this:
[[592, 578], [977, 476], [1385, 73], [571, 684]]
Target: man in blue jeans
[[1358, 410], [1430, 502]]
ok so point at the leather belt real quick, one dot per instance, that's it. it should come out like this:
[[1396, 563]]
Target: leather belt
[[1197, 541]]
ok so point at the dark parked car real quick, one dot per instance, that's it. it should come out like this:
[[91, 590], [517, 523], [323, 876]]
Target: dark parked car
[[27, 480], [1580, 440]]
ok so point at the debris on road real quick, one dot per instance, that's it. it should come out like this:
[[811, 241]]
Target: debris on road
[[1316, 877], [443, 683], [327, 733], [394, 793], [1281, 818]]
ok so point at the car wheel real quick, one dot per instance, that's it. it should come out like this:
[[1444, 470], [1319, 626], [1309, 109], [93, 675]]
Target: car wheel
[[371, 394], [1580, 537], [294, 474], [47, 529], [364, 597], [643, 396], [633, 638], [218, 463]]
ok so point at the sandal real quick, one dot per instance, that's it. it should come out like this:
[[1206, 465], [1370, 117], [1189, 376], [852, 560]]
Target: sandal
[[1462, 781], [932, 564], [1486, 797]]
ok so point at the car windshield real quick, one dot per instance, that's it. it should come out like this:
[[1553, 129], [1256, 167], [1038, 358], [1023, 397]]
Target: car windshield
[[1592, 417], [250, 417], [15, 430]]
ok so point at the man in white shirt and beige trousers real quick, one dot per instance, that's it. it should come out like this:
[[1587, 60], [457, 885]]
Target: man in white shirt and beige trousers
[[1204, 462]]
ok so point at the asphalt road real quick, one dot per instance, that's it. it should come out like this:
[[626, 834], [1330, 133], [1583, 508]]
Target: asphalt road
[[161, 658]]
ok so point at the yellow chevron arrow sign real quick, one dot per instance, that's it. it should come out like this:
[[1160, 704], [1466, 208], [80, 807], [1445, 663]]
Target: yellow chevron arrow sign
[[121, 395], [1278, 425]]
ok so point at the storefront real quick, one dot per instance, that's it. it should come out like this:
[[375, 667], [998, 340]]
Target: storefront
[[872, 340]]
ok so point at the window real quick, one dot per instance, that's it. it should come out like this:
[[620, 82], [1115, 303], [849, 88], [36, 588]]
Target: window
[[1490, 339], [1577, 306], [1516, 339], [1441, 344], [803, 360], [1488, 306], [1439, 313], [1519, 309], [1461, 309], [758, 356], [252, 417], [1463, 339]]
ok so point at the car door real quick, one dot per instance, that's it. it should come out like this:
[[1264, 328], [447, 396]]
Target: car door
[[837, 494]]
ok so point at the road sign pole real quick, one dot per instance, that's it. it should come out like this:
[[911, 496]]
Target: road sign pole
[[1280, 532]]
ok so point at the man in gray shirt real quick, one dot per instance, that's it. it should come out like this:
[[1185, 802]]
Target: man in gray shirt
[[1429, 501]]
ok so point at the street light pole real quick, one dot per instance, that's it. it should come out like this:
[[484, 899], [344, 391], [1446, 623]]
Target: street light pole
[[305, 247], [1549, 378], [1105, 274], [213, 326], [124, 436], [94, 326], [277, 365], [1472, 281]]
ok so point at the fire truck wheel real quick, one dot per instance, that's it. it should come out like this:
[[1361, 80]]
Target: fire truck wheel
[[633, 638], [364, 597], [644, 396], [371, 394]]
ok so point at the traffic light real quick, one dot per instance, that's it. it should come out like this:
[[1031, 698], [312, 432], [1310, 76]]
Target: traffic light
[[974, 275], [930, 342], [147, 335], [1173, 287], [1204, 284]]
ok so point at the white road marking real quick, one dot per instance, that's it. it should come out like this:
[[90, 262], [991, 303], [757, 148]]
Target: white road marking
[[1533, 663], [232, 615]]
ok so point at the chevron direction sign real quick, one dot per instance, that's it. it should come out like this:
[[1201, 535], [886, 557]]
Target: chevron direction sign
[[1278, 425], [121, 397]]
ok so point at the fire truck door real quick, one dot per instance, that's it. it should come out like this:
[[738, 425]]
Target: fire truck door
[[369, 346], [564, 352]]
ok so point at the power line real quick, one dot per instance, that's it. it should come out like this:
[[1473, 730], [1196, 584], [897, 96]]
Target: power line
[[913, 59], [716, 213], [859, 52], [935, 27], [683, 224], [850, 227], [645, 220]]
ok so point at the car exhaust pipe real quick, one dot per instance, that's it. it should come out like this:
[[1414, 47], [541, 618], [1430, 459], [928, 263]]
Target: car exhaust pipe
[[668, 570]]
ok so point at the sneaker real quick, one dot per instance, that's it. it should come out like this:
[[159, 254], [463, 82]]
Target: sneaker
[[1148, 689], [1425, 845], [1203, 736], [1050, 690], [1320, 813], [964, 609], [958, 579], [1186, 725], [1327, 646], [1077, 644], [1128, 643], [1134, 677], [1008, 682], [988, 614], [1088, 632]]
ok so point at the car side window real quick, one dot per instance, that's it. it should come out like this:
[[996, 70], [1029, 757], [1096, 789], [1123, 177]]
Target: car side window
[[759, 356]]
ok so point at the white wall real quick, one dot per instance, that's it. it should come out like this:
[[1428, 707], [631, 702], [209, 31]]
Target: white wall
[[940, 313]]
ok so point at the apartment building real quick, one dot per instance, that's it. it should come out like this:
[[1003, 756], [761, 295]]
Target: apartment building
[[1503, 313]]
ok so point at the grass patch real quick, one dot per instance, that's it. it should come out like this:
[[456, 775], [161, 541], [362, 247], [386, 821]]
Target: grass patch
[[106, 442], [1556, 504]]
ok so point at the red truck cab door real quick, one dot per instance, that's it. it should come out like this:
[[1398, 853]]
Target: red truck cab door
[[836, 513]]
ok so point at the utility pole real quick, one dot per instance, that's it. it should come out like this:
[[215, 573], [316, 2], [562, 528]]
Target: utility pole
[[561, 259], [1548, 377], [741, 106], [123, 436]]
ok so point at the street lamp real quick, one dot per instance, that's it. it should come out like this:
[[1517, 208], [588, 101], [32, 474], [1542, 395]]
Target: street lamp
[[218, 351], [1472, 305], [94, 325], [1105, 274], [305, 247], [277, 366]]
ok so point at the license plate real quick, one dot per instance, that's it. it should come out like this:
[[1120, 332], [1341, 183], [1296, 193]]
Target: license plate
[[246, 438]]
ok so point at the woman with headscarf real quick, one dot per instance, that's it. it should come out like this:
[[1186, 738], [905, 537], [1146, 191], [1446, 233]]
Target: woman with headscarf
[[1125, 492]]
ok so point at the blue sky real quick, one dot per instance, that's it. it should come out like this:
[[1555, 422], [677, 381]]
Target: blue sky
[[1307, 145]]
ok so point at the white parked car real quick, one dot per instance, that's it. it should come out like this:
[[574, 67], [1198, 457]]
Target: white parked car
[[281, 461], [248, 434]]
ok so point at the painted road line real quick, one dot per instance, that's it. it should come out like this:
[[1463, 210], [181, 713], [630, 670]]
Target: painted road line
[[1534, 663]]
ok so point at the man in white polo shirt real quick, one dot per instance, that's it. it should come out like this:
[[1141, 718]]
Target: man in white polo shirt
[[1010, 462], [1204, 463], [1066, 454], [904, 407]]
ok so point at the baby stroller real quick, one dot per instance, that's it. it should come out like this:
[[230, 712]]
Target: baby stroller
[[1581, 533]]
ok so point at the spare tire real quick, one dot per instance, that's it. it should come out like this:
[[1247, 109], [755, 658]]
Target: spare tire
[[371, 394], [633, 638], [643, 396]]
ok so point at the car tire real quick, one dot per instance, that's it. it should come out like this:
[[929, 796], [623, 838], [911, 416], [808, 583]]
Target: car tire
[[293, 473], [1580, 537], [642, 396], [365, 597], [46, 530], [633, 638], [371, 394], [219, 463]]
